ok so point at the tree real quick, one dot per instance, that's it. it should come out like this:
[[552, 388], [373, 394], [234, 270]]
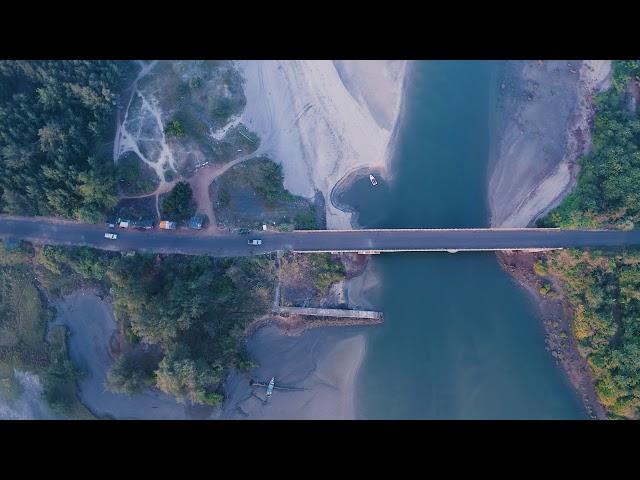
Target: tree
[[179, 204], [188, 380], [174, 129], [133, 371]]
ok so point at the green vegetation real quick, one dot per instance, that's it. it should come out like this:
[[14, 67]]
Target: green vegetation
[[306, 220], [60, 377], [608, 190], [23, 325], [183, 317], [267, 180], [252, 193], [623, 72], [169, 175], [604, 287], [53, 117], [133, 370], [306, 279], [134, 176], [174, 129], [325, 271], [195, 309], [179, 205]]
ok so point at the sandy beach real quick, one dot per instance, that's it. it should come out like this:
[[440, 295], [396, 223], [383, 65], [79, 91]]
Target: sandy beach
[[546, 108], [319, 366], [322, 120]]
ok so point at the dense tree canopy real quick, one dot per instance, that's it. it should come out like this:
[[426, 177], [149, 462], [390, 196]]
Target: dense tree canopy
[[608, 188], [53, 117], [604, 287], [179, 204]]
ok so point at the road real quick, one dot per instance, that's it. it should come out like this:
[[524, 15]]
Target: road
[[58, 232]]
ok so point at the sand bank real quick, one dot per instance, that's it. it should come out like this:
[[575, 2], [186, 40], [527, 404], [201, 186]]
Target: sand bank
[[323, 119], [322, 364], [546, 108]]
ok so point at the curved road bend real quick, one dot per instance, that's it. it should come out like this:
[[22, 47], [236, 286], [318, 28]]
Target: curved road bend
[[56, 232]]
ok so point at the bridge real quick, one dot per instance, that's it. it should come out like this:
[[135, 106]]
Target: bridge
[[40, 230]]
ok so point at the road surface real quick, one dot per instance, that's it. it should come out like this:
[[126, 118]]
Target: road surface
[[58, 232]]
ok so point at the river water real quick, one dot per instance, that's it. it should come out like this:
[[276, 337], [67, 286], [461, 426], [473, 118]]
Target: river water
[[461, 338]]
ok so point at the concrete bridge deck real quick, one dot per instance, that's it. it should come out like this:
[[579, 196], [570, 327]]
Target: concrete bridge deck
[[59, 232], [328, 312]]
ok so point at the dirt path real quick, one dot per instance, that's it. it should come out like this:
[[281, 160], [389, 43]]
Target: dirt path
[[201, 181]]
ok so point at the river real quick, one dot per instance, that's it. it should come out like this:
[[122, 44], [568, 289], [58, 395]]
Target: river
[[461, 339]]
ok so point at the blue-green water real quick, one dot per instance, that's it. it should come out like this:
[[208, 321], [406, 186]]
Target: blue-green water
[[461, 339]]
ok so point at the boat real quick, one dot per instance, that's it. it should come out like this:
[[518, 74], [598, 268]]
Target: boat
[[374, 182], [270, 387]]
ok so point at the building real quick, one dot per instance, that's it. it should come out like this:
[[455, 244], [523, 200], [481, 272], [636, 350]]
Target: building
[[166, 225], [195, 222]]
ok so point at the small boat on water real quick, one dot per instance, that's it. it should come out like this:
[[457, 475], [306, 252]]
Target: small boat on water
[[374, 182], [270, 387]]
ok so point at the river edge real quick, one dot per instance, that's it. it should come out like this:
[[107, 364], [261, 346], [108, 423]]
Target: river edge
[[556, 317], [555, 313]]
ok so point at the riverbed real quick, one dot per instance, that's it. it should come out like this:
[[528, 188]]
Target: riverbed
[[461, 339]]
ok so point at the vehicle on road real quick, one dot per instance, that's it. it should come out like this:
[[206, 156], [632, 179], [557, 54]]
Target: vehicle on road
[[111, 225], [166, 225], [111, 236], [270, 387], [374, 182], [255, 241]]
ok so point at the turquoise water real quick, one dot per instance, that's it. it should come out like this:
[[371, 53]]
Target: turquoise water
[[461, 339]]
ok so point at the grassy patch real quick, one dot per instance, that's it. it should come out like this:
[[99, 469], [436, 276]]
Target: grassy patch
[[178, 205], [134, 176], [252, 193], [307, 278], [136, 208]]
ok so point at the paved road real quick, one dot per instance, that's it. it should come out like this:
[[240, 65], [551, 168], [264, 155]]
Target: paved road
[[56, 232]]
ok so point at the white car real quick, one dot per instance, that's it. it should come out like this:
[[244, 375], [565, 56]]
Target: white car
[[111, 236], [255, 242]]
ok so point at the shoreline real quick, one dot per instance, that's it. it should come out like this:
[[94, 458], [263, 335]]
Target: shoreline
[[556, 315], [550, 186], [322, 120], [541, 137]]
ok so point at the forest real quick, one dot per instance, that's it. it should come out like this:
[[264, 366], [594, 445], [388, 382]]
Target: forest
[[603, 287], [57, 122]]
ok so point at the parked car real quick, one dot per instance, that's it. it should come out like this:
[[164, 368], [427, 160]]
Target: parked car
[[255, 242], [111, 236]]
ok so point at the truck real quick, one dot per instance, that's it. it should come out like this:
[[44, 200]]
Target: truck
[[111, 236], [255, 241], [166, 225]]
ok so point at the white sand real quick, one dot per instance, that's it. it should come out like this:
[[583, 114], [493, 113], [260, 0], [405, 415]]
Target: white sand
[[323, 119], [543, 139]]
